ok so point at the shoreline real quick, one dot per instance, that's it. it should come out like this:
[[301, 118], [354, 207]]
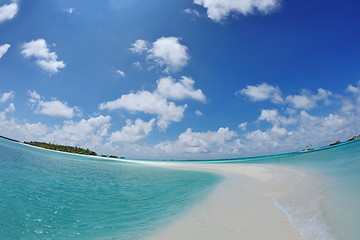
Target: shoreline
[[194, 161], [245, 205]]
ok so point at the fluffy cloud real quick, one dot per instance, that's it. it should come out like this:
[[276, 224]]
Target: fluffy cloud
[[272, 116], [132, 132], [262, 92], [243, 126], [6, 96], [44, 58], [53, 108], [168, 52], [354, 89], [8, 11], [165, 52], [352, 104], [307, 100], [184, 88], [199, 142], [218, 10], [90, 133], [3, 49], [86, 132], [22, 131], [157, 102], [150, 103], [139, 46]]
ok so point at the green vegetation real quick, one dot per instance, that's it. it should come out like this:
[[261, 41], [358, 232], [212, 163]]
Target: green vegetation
[[62, 148], [10, 139]]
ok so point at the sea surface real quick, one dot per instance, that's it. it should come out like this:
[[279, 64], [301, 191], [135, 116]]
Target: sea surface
[[327, 205], [49, 195]]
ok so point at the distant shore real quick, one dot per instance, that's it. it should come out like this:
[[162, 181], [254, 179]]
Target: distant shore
[[113, 157]]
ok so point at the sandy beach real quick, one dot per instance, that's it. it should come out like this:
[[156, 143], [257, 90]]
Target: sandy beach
[[240, 207]]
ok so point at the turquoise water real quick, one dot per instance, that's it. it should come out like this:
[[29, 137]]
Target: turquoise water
[[333, 209], [327, 205], [49, 195]]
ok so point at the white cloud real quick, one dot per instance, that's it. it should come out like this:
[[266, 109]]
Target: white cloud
[[132, 132], [243, 126], [139, 46], [165, 52], [7, 96], [86, 132], [352, 104], [52, 108], [150, 103], [307, 100], [262, 92], [119, 73], [69, 10], [354, 89], [157, 102], [44, 58], [273, 116], [168, 52], [22, 131], [3, 49], [10, 108], [8, 11], [55, 108], [169, 88], [199, 142], [89, 133], [217, 10], [268, 115], [301, 101], [192, 12], [198, 113]]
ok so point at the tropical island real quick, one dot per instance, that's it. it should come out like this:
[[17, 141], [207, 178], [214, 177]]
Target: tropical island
[[62, 148]]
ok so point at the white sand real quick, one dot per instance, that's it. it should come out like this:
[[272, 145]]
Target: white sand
[[240, 207]]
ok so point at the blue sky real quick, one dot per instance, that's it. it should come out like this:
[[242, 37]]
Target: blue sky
[[180, 79]]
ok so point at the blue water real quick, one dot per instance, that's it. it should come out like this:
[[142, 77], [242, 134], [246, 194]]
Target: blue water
[[330, 205], [333, 210], [49, 195]]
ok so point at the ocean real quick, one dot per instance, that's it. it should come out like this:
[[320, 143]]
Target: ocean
[[326, 207], [50, 195]]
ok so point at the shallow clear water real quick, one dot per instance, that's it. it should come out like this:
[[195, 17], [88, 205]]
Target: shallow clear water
[[332, 209], [49, 195], [326, 205]]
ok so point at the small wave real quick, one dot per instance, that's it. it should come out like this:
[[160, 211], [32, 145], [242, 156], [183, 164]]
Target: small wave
[[307, 220]]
